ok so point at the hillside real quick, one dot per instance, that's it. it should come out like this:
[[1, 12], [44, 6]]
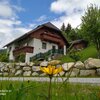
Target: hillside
[[83, 55]]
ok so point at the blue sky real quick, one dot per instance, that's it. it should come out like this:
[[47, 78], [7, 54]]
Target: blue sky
[[20, 16], [35, 9]]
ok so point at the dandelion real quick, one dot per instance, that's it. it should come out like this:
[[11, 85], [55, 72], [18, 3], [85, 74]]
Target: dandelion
[[51, 70]]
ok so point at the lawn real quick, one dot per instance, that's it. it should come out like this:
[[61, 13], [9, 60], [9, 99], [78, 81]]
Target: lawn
[[83, 54], [38, 91]]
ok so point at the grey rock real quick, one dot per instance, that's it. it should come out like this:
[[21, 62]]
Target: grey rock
[[18, 67], [2, 64], [22, 64], [91, 72], [35, 74], [79, 65], [13, 70], [92, 63], [31, 64], [54, 62], [35, 68], [43, 74], [67, 74], [19, 72], [67, 66], [44, 63], [75, 72], [17, 64], [26, 68], [2, 69], [27, 73], [6, 69], [10, 65], [98, 71], [62, 73], [5, 74]]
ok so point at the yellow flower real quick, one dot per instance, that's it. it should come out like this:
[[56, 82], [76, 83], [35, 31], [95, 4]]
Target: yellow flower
[[51, 70]]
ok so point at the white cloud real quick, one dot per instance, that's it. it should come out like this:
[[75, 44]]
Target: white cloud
[[74, 20], [32, 25], [10, 26], [41, 18], [9, 30], [72, 10], [7, 10]]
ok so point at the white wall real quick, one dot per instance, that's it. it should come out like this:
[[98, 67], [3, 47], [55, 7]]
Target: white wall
[[37, 44], [10, 51]]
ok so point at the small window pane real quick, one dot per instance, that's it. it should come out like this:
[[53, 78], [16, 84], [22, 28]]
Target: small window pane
[[43, 45]]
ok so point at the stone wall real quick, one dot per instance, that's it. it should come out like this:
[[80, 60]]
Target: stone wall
[[90, 67]]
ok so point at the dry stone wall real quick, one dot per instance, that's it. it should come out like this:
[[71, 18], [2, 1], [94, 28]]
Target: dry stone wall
[[90, 67]]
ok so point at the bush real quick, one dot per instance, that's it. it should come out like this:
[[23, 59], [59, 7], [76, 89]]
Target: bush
[[20, 58], [4, 57]]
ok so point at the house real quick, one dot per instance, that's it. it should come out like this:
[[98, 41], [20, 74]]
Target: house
[[79, 44], [39, 40]]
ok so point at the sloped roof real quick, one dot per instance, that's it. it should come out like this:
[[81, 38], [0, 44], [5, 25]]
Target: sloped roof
[[51, 26], [78, 41], [48, 24]]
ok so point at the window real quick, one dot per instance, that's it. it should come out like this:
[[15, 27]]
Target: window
[[44, 45], [53, 47]]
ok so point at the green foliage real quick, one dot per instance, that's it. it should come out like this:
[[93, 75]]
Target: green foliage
[[74, 55], [68, 29], [3, 56], [90, 27], [69, 32], [63, 27], [20, 58], [80, 55], [38, 91], [73, 35]]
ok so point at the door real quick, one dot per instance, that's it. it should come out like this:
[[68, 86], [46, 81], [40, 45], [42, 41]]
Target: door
[[53, 49]]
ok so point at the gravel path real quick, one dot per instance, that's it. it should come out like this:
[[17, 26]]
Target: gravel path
[[42, 79]]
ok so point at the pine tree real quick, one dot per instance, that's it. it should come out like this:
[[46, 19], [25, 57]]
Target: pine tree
[[63, 27], [68, 29]]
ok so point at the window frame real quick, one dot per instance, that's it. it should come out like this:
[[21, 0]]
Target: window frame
[[44, 45]]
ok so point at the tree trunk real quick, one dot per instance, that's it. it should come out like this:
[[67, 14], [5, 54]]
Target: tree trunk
[[98, 47], [99, 54]]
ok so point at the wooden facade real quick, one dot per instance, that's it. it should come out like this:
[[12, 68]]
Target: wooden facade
[[25, 49], [46, 34]]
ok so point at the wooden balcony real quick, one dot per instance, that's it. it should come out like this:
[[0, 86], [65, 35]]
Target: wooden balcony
[[25, 49], [52, 38]]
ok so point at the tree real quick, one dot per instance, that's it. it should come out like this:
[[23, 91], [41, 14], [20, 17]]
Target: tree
[[68, 29], [72, 35], [3, 55], [91, 25], [63, 27]]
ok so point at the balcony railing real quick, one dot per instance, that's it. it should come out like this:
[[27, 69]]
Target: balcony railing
[[25, 49], [47, 54]]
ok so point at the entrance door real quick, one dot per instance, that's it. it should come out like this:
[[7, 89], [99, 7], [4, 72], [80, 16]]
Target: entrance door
[[53, 49]]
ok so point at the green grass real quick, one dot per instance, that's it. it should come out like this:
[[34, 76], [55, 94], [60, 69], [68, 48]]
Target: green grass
[[39, 90], [83, 54]]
